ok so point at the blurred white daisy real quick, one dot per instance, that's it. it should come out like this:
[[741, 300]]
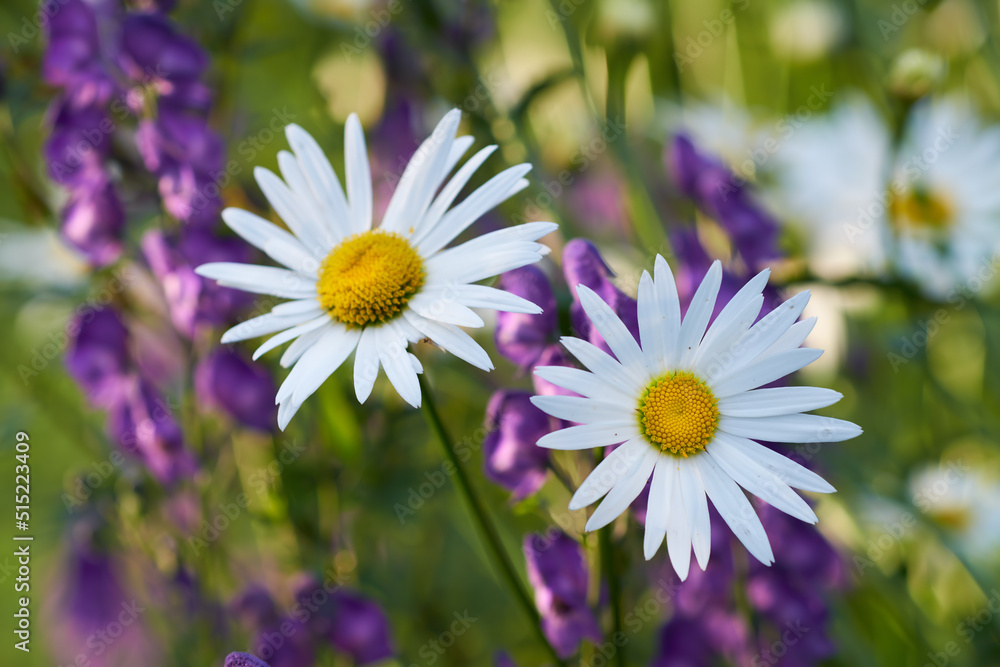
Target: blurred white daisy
[[373, 290], [945, 205], [961, 500], [687, 407], [832, 174], [929, 207]]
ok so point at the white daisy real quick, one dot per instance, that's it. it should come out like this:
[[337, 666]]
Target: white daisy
[[373, 290], [686, 406], [831, 181], [929, 207], [945, 205]]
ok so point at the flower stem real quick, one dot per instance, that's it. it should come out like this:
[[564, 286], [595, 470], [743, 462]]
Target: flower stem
[[607, 549], [483, 520]]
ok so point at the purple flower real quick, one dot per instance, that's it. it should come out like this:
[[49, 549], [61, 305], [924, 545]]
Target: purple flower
[[726, 198], [143, 425], [361, 629], [280, 640], [98, 354], [510, 456], [243, 660], [80, 139], [153, 50], [502, 659], [583, 265], [187, 155], [693, 641], [91, 598], [194, 302], [243, 389], [557, 570], [93, 221], [72, 60], [521, 337]]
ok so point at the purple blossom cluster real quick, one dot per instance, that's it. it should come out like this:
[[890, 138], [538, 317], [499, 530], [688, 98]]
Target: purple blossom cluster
[[131, 85], [322, 617], [726, 198], [557, 569], [102, 359], [511, 458], [788, 599]]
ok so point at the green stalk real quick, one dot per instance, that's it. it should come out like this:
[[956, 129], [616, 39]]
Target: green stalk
[[486, 526], [607, 550]]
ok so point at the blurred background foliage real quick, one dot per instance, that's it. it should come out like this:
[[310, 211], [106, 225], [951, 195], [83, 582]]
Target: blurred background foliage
[[542, 80]]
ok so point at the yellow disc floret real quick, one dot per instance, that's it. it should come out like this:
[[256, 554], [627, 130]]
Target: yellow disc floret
[[369, 278], [921, 208], [678, 413]]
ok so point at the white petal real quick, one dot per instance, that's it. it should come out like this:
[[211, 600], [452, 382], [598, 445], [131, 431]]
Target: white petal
[[441, 306], [366, 364], [777, 401], [470, 269], [787, 470], [278, 244], [615, 466], [624, 492], [586, 384], [720, 349], [421, 178], [678, 526], [323, 358], [762, 370], [323, 181], [604, 366], [300, 346], [761, 482], [486, 197], [764, 334], [483, 296], [735, 510], [732, 318], [263, 325], [259, 279], [291, 334], [395, 360], [459, 148], [451, 190], [316, 235], [430, 177], [591, 435], [359, 176], [696, 505], [295, 215], [577, 409], [658, 506], [792, 338], [452, 339], [698, 314], [611, 328], [791, 428], [659, 318], [309, 307]]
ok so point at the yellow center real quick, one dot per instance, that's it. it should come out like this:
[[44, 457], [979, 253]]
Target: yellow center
[[369, 278], [678, 414], [921, 208]]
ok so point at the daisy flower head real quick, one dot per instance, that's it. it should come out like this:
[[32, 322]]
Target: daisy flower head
[[683, 405], [943, 205], [354, 286]]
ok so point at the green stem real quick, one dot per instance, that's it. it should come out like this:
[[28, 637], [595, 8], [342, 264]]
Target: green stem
[[483, 520], [607, 550]]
